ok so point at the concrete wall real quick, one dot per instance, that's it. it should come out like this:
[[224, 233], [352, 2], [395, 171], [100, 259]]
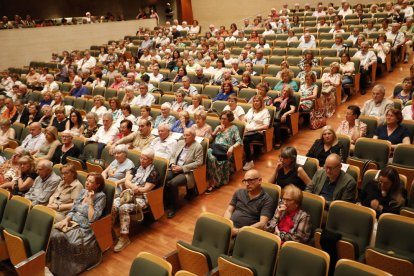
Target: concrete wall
[[221, 12], [20, 46]]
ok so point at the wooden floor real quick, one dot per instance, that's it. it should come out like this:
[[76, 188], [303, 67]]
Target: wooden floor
[[159, 237]]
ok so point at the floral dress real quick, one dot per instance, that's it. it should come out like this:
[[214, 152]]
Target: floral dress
[[305, 91], [219, 171]]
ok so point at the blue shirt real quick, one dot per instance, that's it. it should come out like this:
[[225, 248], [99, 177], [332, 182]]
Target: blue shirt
[[78, 92], [396, 136], [222, 96], [177, 126]]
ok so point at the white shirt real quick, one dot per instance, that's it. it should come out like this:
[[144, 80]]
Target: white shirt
[[317, 14], [50, 87], [237, 112], [31, 143], [407, 113], [304, 45], [368, 58], [255, 119], [165, 148], [103, 136], [87, 64], [139, 100], [396, 39], [100, 112], [345, 13], [302, 38], [408, 12], [158, 77]]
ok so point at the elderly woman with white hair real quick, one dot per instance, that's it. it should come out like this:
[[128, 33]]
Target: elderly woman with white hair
[[179, 104], [165, 116], [330, 81], [116, 171], [184, 121], [66, 149], [51, 85], [99, 107], [138, 182]]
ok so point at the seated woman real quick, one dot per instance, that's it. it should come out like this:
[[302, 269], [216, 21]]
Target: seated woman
[[338, 44], [60, 120], [288, 172], [115, 108], [227, 135], [286, 80], [116, 171], [309, 93], [290, 222], [184, 121], [307, 68], [393, 131], [347, 68], [66, 193], [180, 74], [284, 65], [127, 113], [118, 83], [285, 105], [58, 101], [226, 91], [351, 126], [129, 97], [291, 36], [66, 149], [246, 81], [382, 48], [6, 132], [238, 111], [47, 150], [330, 81], [47, 116], [257, 121], [201, 128], [404, 92], [408, 111], [165, 116], [47, 99], [138, 182], [99, 107], [91, 126], [325, 145], [385, 193], [98, 82], [179, 104], [262, 89], [75, 123], [27, 174], [34, 113], [196, 104], [72, 246], [308, 57], [145, 112], [9, 170]]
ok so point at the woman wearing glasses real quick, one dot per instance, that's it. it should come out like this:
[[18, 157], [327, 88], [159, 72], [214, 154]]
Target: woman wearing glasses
[[290, 222]]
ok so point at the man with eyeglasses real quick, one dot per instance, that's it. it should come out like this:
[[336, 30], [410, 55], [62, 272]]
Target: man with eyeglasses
[[332, 183], [251, 206], [139, 139]]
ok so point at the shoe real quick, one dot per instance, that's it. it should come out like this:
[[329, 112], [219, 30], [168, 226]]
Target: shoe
[[191, 194], [344, 99], [210, 190], [248, 166], [171, 214], [121, 244]]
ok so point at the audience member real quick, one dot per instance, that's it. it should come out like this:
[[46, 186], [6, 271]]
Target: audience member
[[251, 206], [326, 145], [392, 130], [352, 126], [378, 105], [164, 144]]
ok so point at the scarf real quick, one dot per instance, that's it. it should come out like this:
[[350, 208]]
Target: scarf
[[141, 175], [283, 104]]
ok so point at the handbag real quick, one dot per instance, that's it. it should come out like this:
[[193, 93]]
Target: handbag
[[127, 197], [327, 89], [317, 119], [219, 151]]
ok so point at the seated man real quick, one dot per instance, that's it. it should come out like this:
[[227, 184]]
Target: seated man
[[78, 89], [378, 105], [187, 87], [144, 98], [259, 59], [199, 77], [139, 139], [22, 113], [251, 206], [165, 116], [155, 75], [35, 139], [367, 58], [332, 183], [164, 144], [187, 156], [105, 134], [307, 42], [44, 185]]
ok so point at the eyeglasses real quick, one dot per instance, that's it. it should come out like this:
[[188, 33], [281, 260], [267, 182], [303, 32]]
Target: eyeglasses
[[249, 180], [287, 199]]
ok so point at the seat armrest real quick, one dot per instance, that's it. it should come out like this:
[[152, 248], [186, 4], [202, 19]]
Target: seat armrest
[[35, 265]]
